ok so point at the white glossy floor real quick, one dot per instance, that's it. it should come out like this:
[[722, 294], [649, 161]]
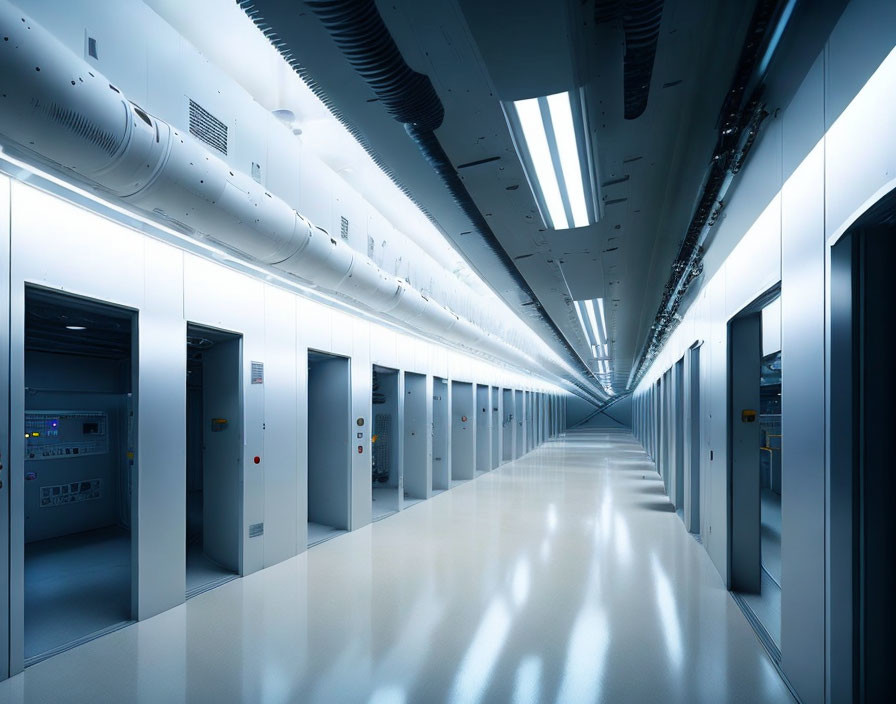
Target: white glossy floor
[[561, 577]]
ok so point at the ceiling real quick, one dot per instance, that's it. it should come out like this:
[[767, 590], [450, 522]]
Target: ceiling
[[650, 168]]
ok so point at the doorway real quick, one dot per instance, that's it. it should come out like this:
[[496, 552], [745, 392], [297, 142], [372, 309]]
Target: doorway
[[692, 441], [520, 416], [678, 437], [441, 435], [214, 468], [463, 432], [79, 490], [416, 457], [861, 575], [495, 428], [329, 458], [385, 460], [483, 429], [507, 426], [754, 457]]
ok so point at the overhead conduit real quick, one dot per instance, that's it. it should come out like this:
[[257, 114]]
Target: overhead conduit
[[740, 118], [60, 112]]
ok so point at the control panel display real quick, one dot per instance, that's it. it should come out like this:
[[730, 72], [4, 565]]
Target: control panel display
[[53, 435]]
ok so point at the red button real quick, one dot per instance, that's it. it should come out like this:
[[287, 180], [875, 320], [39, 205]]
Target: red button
[[360, 449], [257, 460]]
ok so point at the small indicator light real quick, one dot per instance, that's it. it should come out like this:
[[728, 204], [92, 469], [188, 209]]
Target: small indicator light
[[35, 435], [27, 435], [75, 327], [360, 449], [257, 460]]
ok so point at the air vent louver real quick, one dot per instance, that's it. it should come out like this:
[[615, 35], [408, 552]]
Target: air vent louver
[[207, 127]]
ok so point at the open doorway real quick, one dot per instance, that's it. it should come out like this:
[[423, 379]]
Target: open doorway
[[483, 429], [214, 468], [329, 458], [385, 457], [79, 490], [507, 426], [416, 458], [494, 429], [463, 432], [755, 500], [692, 441], [678, 437], [441, 436], [861, 531]]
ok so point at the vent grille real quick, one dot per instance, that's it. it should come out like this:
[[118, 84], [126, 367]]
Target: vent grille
[[344, 227], [207, 127]]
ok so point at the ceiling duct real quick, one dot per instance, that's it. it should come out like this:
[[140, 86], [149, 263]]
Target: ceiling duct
[[153, 167], [359, 31], [641, 29]]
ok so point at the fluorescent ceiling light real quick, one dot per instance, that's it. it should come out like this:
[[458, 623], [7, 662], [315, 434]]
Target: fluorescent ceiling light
[[553, 148], [529, 113], [594, 326], [568, 149], [578, 306], [599, 331]]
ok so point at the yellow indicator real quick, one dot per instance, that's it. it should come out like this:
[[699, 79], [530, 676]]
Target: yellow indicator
[[35, 435], [130, 455]]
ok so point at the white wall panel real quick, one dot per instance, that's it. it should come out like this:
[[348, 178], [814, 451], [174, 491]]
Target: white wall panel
[[301, 403], [314, 324], [754, 265], [161, 439], [280, 452], [860, 149], [361, 381], [383, 347], [343, 328]]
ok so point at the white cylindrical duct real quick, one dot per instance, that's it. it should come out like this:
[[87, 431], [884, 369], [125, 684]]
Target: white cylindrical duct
[[59, 111]]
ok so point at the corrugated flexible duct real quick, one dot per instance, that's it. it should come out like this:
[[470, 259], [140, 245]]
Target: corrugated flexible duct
[[59, 111]]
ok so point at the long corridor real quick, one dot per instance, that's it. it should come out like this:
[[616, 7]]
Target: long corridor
[[561, 577]]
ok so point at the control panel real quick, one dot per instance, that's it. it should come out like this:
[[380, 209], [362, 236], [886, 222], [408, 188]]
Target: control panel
[[65, 434], [71, 493]]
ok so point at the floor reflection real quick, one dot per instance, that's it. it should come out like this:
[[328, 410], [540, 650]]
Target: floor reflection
[[547, 580]]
